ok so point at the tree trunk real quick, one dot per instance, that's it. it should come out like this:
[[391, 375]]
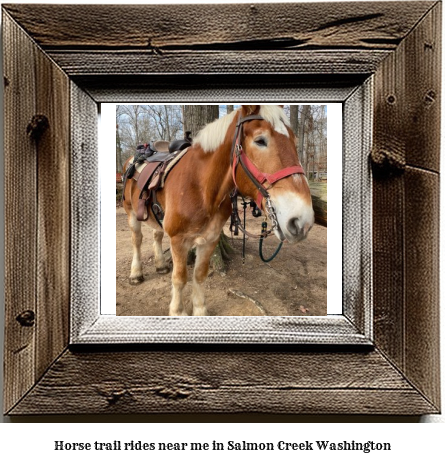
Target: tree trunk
[[118, 151], [309, 140], [229, 108], [301, 135], [195, 118], [294, 118], [136, 123], [119, 161], [167, 123]]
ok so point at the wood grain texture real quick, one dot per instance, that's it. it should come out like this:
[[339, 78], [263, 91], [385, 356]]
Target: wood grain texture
[[53, 220], [408, 97], [162, 27], [406, 206], [388, 268], [180, 62], [20, 212], [388, 201], [217, 381], [206, 39], [423, 49], [422, 364], [37, 225]]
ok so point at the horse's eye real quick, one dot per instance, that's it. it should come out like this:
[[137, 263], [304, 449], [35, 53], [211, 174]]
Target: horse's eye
[[261, 142]]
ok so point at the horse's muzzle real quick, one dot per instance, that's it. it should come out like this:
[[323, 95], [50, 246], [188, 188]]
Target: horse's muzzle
[[298, 228], [295, 216]]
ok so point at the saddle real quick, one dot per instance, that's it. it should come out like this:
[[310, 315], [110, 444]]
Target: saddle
[[149, 168]]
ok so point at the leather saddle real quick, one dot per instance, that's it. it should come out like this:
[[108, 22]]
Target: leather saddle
[[147, 169]]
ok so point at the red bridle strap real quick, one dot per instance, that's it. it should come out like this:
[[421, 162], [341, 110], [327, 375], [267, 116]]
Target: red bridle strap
[[256, 175]]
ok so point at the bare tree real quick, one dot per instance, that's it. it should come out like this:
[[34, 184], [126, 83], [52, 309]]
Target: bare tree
[[166, 121], [139, 124]]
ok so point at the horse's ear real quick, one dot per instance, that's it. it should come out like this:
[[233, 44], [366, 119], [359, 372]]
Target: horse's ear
[[250, 109]]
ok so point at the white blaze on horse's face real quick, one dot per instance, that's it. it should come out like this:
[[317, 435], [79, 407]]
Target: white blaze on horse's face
[[294, 212], [272, 149]]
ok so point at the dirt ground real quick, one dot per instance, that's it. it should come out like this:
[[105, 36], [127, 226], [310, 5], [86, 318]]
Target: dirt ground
[[293, 284]]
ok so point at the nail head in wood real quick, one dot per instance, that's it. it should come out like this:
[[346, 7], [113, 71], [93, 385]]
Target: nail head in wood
[[26, 318], [430, 97], [37, 126]]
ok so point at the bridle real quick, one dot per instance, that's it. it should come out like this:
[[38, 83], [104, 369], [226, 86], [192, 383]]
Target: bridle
[[258, 178]]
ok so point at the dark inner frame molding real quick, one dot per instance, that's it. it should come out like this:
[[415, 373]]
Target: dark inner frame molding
[[76, 57]]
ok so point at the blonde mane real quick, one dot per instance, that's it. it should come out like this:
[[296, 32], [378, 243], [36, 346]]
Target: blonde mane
[[212, 136], [275, 115]]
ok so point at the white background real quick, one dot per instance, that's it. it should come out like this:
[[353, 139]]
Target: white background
[[413, 443]]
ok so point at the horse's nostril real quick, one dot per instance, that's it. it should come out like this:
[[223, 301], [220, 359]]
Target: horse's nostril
[[293, 226], [298, 228]]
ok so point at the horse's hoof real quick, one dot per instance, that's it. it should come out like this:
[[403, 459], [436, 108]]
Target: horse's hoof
[[200, 311], [137, 280], [178, 314], [163, 270]]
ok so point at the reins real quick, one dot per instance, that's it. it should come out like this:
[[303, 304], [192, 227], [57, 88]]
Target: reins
[[258, 178]]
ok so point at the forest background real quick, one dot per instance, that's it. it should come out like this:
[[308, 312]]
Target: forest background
[[139, 124]]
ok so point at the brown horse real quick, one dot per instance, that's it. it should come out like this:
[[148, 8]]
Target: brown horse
[[234, 152]]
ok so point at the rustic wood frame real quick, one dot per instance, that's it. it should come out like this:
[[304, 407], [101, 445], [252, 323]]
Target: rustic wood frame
[[67, 62]]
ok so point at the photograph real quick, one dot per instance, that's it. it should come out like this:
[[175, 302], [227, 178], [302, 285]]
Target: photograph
[[221, 210]]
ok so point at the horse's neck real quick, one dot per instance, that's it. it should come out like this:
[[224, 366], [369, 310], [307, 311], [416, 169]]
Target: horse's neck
[[215, 174]]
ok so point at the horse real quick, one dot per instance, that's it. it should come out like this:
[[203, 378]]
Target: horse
[[235, 153]]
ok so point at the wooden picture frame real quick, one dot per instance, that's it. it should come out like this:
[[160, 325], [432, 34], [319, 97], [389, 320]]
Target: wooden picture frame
[[56, 72]]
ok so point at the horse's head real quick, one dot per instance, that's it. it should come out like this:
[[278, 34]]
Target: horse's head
[[269, 144]]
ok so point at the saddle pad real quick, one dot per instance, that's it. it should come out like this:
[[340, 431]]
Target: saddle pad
[[171, 165], [140, 167]]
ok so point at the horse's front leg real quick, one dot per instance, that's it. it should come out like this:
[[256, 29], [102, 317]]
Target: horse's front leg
[[201, 271], [179, 250], [136, 275]]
